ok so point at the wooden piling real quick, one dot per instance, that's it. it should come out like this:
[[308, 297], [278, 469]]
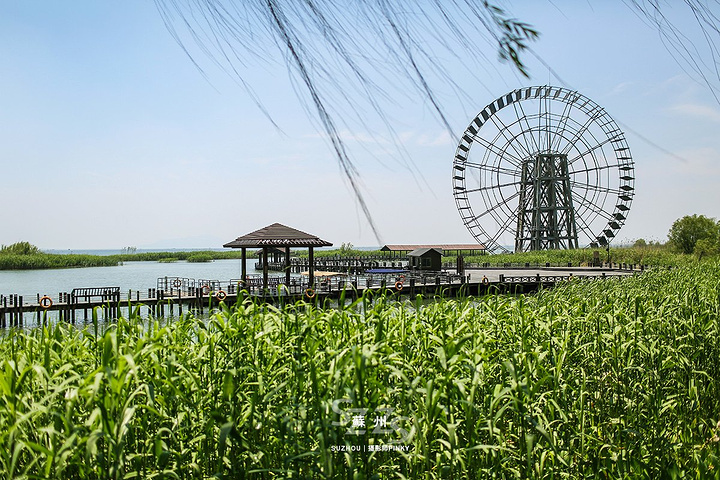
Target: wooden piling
[[20, 312]]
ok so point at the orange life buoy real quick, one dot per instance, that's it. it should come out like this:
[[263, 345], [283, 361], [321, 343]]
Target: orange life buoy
[[220, 295], [485, 280], [310, 293], [177, 282], [399, 285], [206, 289], [46, 302]]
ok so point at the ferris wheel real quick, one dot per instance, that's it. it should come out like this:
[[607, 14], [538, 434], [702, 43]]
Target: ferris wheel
[[543, 168]]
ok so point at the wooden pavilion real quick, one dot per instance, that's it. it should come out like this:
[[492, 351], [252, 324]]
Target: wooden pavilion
[[277, 236]]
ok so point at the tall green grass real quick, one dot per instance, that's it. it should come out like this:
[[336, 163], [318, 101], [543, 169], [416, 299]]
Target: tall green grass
[[593, 379], [650, 255], [25, 256], [188, 255], [647, 255], [38, 261]]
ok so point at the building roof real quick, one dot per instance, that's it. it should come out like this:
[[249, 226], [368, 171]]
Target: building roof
[[450, 246], [277, 235], [424, 251]]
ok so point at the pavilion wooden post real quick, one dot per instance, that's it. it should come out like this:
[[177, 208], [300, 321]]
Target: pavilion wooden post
[[311, 268], [287, 268], [265, 269], [243, 268]]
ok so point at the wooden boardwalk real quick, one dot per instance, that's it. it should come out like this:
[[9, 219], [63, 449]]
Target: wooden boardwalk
[[177, 296], [348, 265]]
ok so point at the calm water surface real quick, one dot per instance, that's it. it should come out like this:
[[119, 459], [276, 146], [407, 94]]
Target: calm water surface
[[129, 276]]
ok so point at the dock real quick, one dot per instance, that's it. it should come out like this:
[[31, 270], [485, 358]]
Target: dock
[[354, 266], [174, 296]]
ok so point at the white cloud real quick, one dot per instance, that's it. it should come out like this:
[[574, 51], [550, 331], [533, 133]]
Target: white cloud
[[704, 112], [621, 88], [438, 140]]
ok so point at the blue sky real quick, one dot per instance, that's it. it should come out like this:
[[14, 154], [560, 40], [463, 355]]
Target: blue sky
[[111, 137]]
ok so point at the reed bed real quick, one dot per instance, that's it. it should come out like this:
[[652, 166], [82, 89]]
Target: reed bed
[[37, 261], [592, 379], [650, 255], [191, 255]]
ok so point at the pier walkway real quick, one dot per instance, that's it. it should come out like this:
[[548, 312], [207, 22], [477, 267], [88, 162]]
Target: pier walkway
[[175, 295]]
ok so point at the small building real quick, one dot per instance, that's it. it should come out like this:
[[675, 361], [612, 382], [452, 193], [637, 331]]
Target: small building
[[453, 249], [426, 259]]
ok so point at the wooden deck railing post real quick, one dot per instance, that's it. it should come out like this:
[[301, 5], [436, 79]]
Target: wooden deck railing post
[[3, 300], [21, 312]]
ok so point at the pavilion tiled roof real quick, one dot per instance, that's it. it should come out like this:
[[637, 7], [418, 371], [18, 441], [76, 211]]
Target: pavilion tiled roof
[[277, 235]]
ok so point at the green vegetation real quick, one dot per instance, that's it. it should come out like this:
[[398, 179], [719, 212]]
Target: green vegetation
[[345, 250], [687, 231], [707, 247], [648, 255], [592, 379], [45, 260], [176, 256], [200, 257], [19, 248], [24, 256]]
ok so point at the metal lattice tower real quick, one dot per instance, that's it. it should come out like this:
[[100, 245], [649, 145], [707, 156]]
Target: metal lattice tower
[[546, 219]]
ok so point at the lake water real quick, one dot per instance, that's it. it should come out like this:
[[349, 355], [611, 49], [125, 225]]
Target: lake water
[[129, 276], [135, 276]]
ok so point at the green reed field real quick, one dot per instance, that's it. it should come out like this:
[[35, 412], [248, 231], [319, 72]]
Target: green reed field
[[592, 379], [655, 255], [24, 256], [649, 255]]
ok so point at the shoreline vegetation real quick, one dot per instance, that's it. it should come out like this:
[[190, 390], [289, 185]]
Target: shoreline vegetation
[[607, 379], [650, 255], [24, 256]]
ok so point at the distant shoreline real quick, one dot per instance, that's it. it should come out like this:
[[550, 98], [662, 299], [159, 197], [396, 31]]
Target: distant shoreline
[[120, 251]]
